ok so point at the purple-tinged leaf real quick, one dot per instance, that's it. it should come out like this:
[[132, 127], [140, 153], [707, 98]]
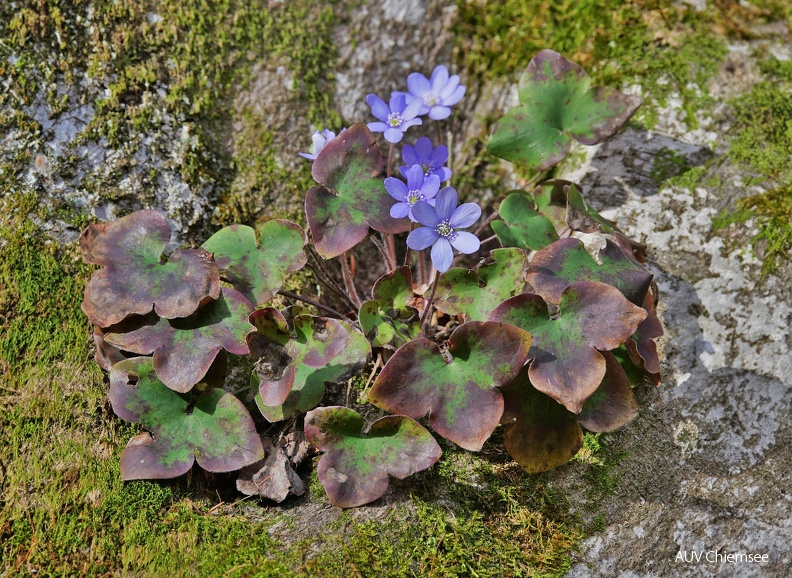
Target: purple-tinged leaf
[[355, 468], [544, 434], [557, 104], [559, 265], [133, 281], [351, 195], [184, 349], [461, 398], [212, 428], [613, 404], [565, 362], [477, 293], [307, 384], [105, 354], [257, 270], [388, 317], [642, 348]]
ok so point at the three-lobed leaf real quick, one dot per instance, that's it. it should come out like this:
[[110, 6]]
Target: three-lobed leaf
[[257, 269], [213, 428], [461, 398], [477, 293], [387, 317], [134, 281], [557, 105], [351, 195], [565, 361], [184, 349], [523, 225], [357, 461]]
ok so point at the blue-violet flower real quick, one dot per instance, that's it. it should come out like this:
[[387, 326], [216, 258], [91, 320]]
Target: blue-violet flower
[[430, 158], [418, 188], [437, 93], [396, 118], [320, 139], [441, 225]]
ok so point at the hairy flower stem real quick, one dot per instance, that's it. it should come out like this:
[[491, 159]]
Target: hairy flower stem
[[439, 133], [429, 304], [349, 281], [390, 160], [408, 254], [316, 304]]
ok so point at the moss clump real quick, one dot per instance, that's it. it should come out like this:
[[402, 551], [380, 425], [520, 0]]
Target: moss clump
[[763, 144]]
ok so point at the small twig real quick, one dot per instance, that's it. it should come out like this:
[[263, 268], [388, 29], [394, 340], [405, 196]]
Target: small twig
[[371, 375], [381, 248], [316, 304], [425, 315], [439, 133], [349, 281], [486, 222], [390, 262], [390, 159], [488, 239]]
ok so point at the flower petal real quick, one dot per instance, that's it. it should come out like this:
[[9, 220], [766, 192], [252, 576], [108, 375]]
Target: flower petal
[[421, 238], [447, 201], [308, 156], [415, 178], [439, 155], [408, 155], [378, 107], [449, 87], [396, 188], [412, 122], [465, 242], [398, 101], [455, 97], [439, 112], [423, 148], [404, 171], [378, 126], [393, 135], [412, 110], [465, 215], [444, 173], [426, 214], [418, 84], [442, 255], [430, 185], [439, 78], [399, 210]]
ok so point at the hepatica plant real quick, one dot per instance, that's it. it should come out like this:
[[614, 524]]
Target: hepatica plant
[[545, 336]]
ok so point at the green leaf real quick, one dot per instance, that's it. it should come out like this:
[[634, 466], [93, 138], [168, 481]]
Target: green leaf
[[134, 281], [213, 428], [556, 106], [580, 217], [355, 468], [544, 434], [351, 194], [461, 398], [523, 226], [184, 349], [565, 361], [258, 271], [388, 315], [477, 293]]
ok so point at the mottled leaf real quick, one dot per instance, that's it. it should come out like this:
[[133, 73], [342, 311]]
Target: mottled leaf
[[556, 267], [477, 293], [184, 349], [134, 281], [212, 428], [461, 398], [308, 383], [388, 315], [613, 404], [523, 226], [557, 104], [580, 217], [351, 194], [256, 269], [565, 363], [355, 468], [544, 434]]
